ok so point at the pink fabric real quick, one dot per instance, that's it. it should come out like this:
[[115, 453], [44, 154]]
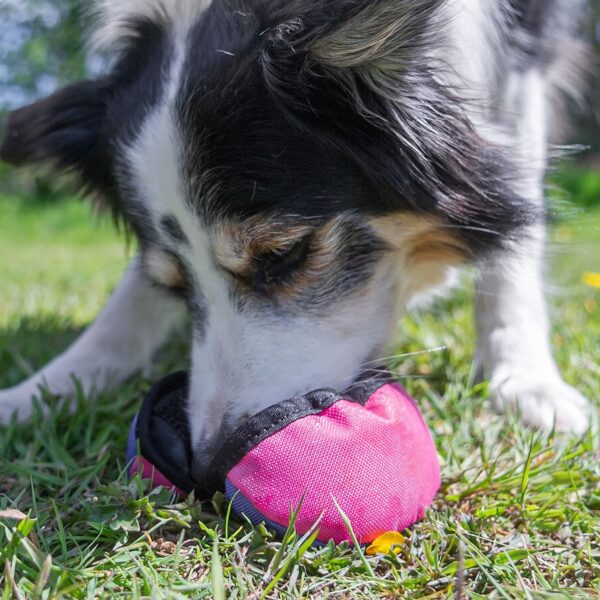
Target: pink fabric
[[378, 461], [149, 471]]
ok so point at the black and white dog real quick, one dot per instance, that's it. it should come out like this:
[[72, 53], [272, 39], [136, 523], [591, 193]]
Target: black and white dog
[[298, 172]]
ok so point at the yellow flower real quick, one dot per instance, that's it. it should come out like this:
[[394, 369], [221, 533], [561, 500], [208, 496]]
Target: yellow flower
[[386, 543], [592, 279]]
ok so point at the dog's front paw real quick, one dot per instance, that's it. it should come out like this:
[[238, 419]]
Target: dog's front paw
[[18, 402], [545, 403]]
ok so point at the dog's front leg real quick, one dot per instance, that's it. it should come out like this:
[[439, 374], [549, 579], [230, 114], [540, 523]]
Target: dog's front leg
[[134, 324], [514, 344], [514, 331]]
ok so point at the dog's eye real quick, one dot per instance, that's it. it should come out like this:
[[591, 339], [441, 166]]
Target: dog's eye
[[279, 264]]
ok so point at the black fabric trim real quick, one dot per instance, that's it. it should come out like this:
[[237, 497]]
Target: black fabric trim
[[366, 385], [163, 433], [275, 418]]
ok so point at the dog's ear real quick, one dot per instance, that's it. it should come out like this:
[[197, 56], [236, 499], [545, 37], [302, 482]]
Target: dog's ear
[[372, 43], [380, 37], [367, 75], [65, 130]]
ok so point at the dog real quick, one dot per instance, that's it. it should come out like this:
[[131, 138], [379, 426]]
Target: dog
[[298, 173]]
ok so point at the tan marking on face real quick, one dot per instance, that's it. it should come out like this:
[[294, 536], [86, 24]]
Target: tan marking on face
[[163, 269], [420, 240], [422, 253]]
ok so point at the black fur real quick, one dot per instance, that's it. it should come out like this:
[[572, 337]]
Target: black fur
[[68, 128], [277, 132], [80, 128], [268, 129], [173, 229], [243, 156]]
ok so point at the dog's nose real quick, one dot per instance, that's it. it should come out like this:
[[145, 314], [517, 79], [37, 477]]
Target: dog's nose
[[207, 456], [201, 461]]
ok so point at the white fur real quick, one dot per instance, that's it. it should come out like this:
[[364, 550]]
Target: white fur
[[472, 47], [114, 17], [134, 324], [512, 317], [155, 159]]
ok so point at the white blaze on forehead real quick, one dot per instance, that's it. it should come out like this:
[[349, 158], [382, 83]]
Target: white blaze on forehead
[[155, 155], [156, 158], [114, 17]]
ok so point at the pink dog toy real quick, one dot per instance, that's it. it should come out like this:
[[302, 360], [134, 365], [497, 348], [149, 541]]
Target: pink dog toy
[[368, 452]]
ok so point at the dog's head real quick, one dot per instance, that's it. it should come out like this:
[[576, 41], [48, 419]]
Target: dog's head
[[296, 170]]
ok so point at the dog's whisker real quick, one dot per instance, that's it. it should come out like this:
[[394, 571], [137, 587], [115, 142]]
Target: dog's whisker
[[376, 367], [384, 359]]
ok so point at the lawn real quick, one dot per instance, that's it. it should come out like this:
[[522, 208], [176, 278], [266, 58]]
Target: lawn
[[518, 515]]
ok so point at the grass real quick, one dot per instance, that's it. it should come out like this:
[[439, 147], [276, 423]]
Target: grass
[[518, 515]]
